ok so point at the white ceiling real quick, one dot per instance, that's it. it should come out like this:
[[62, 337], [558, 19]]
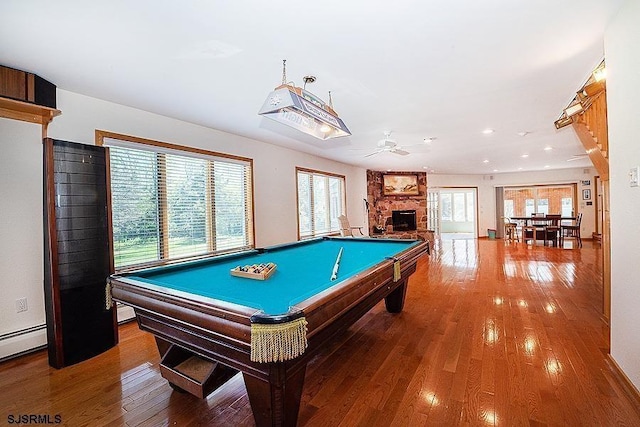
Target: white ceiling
[[444, 69]]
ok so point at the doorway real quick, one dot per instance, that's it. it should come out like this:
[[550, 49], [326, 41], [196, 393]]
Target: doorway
[[452, 212]]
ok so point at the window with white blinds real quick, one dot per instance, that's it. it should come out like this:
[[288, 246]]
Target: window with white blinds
[[321, 200], [169, 203]]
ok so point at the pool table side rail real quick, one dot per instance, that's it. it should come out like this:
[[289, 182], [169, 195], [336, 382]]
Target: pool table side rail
[[208, 314]]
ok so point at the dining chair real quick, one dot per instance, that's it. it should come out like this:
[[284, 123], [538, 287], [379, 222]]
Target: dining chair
[[510, 229], [572, 231], [552, 229], [346, 230], [534, 228]]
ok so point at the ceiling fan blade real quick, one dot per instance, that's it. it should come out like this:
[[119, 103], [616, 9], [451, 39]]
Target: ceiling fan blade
[[374, 153], [386, 143], [399, 151], [426, 142]]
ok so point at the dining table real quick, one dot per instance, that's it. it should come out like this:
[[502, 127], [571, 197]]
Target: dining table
[[525, 220], [541, 222]]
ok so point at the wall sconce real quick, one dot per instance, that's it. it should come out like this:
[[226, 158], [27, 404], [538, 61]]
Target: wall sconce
[[593, 89], [600, 73], [573, 109], [594, 86], [297, 108], [562, 122]]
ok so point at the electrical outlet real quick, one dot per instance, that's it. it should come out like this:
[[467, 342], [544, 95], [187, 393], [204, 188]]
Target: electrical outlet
[[21, 305]]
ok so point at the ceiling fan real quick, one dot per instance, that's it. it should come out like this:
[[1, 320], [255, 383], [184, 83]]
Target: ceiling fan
[[389, 145]]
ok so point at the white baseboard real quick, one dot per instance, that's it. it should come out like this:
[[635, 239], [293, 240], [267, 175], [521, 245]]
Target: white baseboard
[[23, 341], [28, 339]]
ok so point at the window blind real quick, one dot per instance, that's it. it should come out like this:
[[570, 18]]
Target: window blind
[[168, 204], [321, 200]]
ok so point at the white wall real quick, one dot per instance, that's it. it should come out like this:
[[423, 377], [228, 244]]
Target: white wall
[[622, 50], [21, 244], [486, 185], [21, 247]]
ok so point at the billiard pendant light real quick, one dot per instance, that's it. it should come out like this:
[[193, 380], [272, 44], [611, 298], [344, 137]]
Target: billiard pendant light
[[295, 107]]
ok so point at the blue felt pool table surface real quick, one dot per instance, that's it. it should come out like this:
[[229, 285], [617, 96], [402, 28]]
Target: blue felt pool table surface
[[303, 270]]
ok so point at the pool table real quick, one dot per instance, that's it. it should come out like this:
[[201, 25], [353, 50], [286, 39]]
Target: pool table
[[207, 323]]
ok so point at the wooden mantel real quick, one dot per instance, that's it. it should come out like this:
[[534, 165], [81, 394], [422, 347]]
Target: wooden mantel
[[28, 112]]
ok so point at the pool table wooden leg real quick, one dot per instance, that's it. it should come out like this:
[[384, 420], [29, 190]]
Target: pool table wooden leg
[[395, 300], [276, 403]]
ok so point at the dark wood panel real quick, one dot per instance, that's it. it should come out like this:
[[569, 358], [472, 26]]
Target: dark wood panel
[[28, 87], [77, 253], [13, 83]]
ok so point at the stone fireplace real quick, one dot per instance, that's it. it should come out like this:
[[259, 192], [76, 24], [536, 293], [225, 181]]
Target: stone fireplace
[[381, 208]]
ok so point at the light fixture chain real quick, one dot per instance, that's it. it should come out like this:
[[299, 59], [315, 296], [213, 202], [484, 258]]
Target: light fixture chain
[[284, 71]]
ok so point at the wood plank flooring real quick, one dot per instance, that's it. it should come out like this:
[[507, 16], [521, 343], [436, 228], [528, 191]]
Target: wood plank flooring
[[492, 333]]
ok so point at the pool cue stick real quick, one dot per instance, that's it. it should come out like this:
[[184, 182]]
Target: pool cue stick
[[334, 275]]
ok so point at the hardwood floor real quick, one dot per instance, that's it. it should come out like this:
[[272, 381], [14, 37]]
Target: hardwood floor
[[492, 333]]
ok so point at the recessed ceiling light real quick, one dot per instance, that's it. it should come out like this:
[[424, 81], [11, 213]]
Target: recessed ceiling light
[[547, 148], [425, 167], [547, 166], [495, 170], [488, 131], [524, 156], [485, 161], [519, 169], [523, 133]]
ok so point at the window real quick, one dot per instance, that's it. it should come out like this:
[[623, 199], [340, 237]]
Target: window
[[567, 207], [508, 208], [547, 199], [170, 202], [447, 208], [457, 206], [321, 200]]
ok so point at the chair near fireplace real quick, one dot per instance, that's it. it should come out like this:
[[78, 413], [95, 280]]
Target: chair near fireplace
[[347, 230]]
